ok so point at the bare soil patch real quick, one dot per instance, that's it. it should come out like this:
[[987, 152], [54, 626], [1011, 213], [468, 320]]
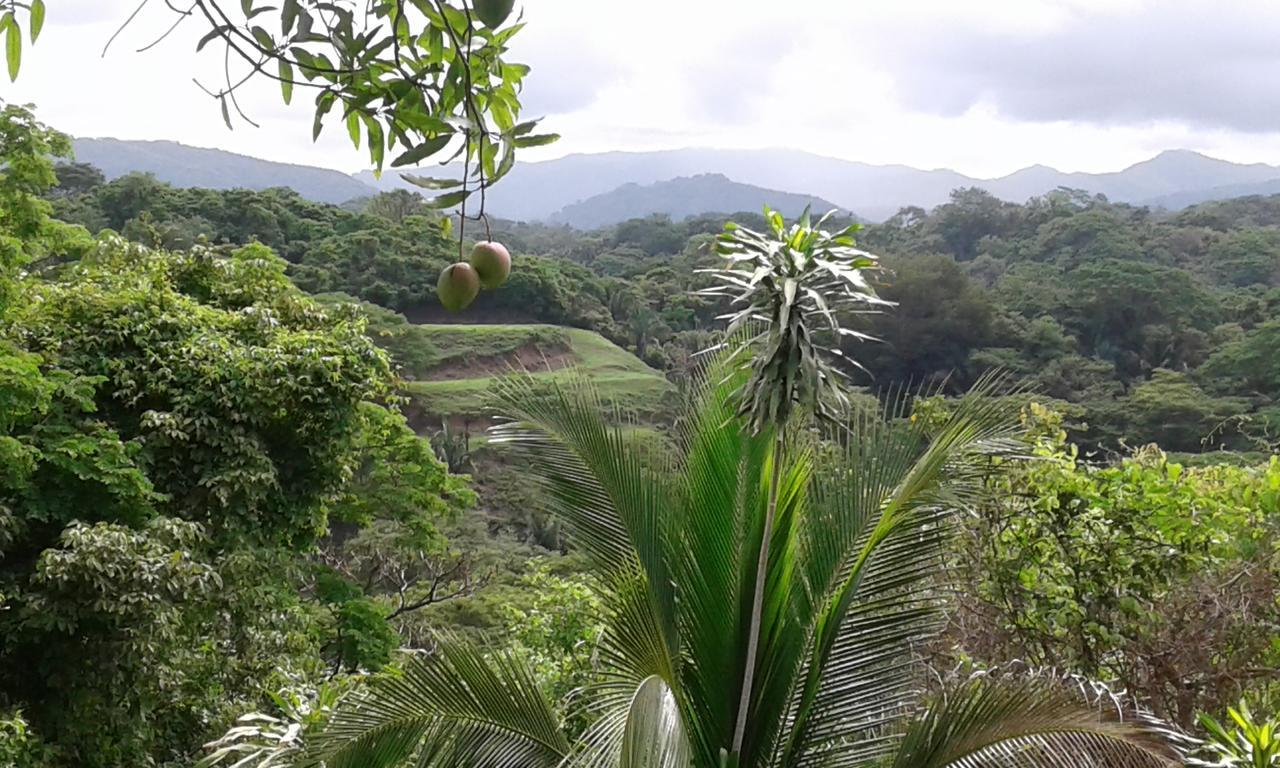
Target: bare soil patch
[[533, 358]]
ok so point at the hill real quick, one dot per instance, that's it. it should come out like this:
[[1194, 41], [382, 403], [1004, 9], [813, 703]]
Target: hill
[[453, 373], [1180, 200], [538, 190], [681, 198], [184, 166]]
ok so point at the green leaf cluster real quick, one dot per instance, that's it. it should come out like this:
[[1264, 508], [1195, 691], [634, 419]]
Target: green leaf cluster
[[1145, 571], [177, 430]]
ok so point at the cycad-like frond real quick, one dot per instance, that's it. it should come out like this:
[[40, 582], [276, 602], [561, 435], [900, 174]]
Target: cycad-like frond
[[881, 518], [790, 289], [646, 730], [991, 723], [456, 706], [723, 463], [597, 479], [613, 493]]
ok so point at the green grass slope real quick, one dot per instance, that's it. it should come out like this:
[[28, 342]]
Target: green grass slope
[[455, 367]]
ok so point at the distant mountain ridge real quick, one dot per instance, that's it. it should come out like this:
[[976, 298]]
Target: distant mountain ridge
[[184, 166], [564, 187], [683, 197], [537, 190]]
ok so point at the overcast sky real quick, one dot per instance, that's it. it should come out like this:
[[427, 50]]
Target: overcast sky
[[984, 86]]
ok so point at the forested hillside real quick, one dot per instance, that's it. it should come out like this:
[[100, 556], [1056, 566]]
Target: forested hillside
[[1145, 327], [680, 198], [185, 166], [221, 505], [296, 473]]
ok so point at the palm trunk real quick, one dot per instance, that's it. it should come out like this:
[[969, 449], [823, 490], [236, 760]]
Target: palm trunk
[[757, 599]]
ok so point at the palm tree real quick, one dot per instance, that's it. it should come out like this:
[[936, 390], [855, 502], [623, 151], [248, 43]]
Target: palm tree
[[768, 584]]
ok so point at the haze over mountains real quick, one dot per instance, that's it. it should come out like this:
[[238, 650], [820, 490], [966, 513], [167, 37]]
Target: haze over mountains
[[680, 198], [600, 189], [184, 166]]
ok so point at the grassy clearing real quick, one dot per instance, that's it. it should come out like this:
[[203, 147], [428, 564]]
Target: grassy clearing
[[624, 382]]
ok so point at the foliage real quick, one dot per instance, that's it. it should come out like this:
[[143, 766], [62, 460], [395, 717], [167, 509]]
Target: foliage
[[364, 638], [1250, 363], [672, 541], [452, 449], [396, 476], [1249, 744], [939, 317], [176, 428], [26, 171], [205, 364], [429, 76], [557, 634], [19, 747], [260, 740], [794, 282], [1104, 569], [1087, 298]]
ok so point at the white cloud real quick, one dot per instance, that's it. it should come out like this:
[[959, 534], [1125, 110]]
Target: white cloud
[[982, 87]]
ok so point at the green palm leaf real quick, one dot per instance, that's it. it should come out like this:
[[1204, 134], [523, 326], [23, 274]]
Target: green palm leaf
[[874, 549], [852, 586], [721, 466], [1029, 724], [456, 706]]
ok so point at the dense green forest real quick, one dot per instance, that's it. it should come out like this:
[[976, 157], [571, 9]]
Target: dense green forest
[[1143, 327], [233, 483], [990, 484]]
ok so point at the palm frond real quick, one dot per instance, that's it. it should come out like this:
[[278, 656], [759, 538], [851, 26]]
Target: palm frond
[[592, 474], [643, 729], [613, 493], [783, 636], [1030, 724], [721, 467], [654, 737], [455, 706], [874, 556]]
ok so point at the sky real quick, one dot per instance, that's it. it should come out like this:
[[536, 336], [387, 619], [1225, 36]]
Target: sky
[[984, 87]]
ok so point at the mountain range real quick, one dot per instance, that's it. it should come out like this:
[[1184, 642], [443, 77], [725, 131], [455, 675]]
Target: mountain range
[[184, 166], [680, 198], [597, 189]]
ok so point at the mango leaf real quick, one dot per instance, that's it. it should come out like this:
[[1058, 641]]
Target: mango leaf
[[288, 15], [286, 80], [263, 38], [353, 127], [538, 140], [526, 127], [12, 44], [427, 182], [324, 102], [508, 160], [37, 18], [212, 35], [422, 151], [449, 199]]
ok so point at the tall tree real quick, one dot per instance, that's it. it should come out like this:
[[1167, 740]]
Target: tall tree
[[175, 429]]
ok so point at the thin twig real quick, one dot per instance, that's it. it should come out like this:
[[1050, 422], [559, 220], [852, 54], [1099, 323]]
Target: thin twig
[[126, 23], [182, 16]]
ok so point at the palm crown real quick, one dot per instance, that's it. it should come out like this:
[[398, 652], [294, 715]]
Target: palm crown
[[768, 584]]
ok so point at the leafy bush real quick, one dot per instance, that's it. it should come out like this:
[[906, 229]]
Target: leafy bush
[[1159, 576], [1248, 743]]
